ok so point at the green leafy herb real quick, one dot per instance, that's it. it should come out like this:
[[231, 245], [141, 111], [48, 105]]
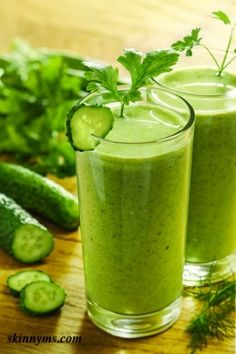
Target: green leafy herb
[[190, 41], [213, 320], [141, 67], [37, 88], [102, 77], [220, 15]]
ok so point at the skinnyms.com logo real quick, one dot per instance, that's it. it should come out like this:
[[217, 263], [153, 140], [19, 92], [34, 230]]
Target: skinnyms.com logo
[[20, 339]]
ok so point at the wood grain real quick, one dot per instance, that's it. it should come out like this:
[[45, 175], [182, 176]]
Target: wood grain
[[96, 29]]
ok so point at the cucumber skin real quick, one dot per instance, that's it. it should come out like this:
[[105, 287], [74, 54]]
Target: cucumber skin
[[12, 217], [15, 292], [35, 313], [70, 115], [40, 195]]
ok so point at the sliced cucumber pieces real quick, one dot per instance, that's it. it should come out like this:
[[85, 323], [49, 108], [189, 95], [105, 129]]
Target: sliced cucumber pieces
[[16, 282], [84, 123], [39, 295], [42, 297], [31, 244], [21, 235]]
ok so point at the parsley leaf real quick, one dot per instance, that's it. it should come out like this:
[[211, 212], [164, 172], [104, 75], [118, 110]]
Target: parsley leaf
[[188, 42], [144, 67], [222, 16], [141, 67], [106, 77], [131, 59]]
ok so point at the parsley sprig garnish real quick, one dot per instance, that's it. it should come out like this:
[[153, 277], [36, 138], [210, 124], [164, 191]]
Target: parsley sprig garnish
[[141, 67], [213, 320], [192, 40]]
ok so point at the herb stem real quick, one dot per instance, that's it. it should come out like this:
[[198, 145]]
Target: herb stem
[[213, 57], [122, 109], [222, 66], [229, 62]]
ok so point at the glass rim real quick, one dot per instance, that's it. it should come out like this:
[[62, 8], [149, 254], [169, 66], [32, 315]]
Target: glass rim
[[227, 94], [187, 126]]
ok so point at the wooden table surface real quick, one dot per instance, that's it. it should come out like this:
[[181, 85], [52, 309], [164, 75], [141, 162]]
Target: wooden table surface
[[97, 29]]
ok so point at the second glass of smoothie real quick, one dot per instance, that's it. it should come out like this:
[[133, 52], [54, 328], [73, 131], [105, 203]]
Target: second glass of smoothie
[[211, 236], [133, 192]]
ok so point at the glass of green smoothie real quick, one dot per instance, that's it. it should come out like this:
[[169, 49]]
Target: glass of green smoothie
[[133, 191], [211, 235]]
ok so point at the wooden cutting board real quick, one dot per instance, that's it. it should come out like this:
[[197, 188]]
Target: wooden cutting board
[[66, 267]]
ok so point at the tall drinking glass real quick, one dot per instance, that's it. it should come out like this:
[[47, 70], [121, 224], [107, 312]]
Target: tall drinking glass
[[133, 192], [211, 236]]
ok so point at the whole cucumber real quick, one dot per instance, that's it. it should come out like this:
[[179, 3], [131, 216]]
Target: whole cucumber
[[21, 235], [40, 195]]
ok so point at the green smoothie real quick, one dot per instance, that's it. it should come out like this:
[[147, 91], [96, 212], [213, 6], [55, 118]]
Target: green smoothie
[[133, 193], [212, 213]]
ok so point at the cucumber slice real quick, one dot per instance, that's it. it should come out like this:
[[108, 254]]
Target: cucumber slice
[[31, 243], [42, 298], [85, 121], [17, 281], [21, 235]]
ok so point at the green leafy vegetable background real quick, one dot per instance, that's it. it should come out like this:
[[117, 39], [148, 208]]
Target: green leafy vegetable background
[[37, 88]]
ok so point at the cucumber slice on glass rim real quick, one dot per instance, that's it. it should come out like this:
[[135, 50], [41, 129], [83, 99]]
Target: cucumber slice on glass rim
[[84, 123]]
